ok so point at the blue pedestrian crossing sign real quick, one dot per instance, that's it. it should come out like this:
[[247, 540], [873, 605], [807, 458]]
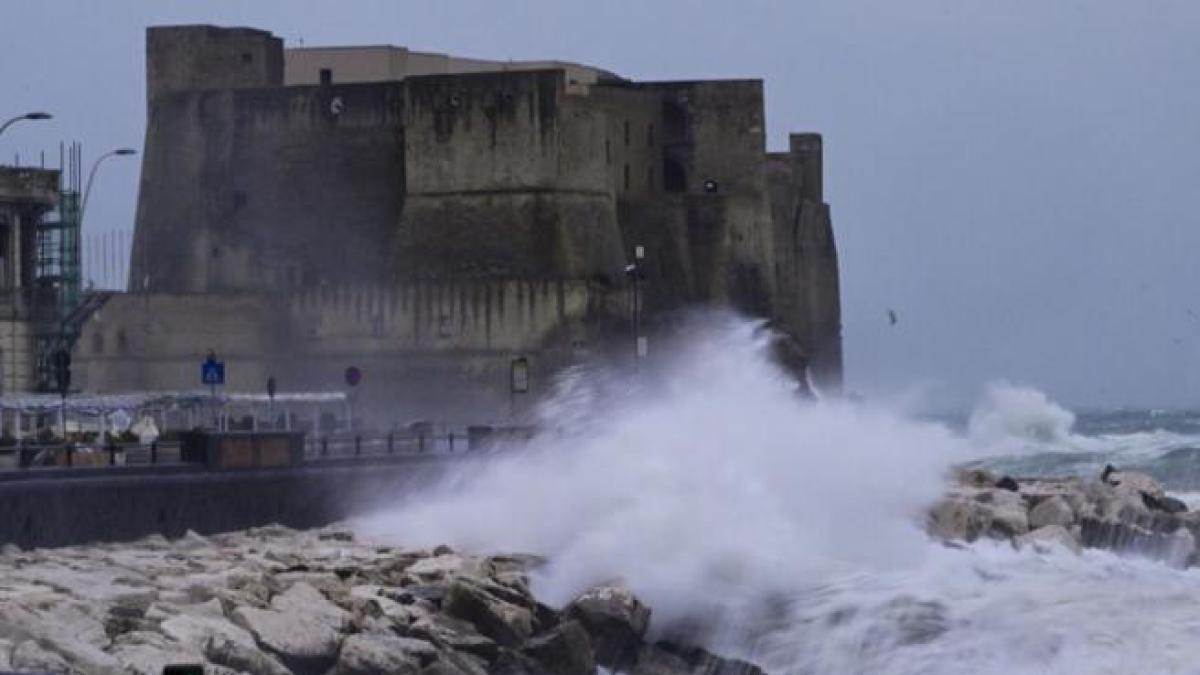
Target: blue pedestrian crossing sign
[[212, 371]]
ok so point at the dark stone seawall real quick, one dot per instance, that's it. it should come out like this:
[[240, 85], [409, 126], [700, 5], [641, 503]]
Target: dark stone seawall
[[57, 508]]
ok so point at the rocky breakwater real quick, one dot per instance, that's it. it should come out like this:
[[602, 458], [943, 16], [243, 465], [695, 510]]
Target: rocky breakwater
[[1124, 511], [274, 601]]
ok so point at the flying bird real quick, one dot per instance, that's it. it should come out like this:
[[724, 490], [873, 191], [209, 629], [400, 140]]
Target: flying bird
[[892, 318]]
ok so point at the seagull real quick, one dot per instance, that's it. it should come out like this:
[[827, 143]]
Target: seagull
[[892, 318]]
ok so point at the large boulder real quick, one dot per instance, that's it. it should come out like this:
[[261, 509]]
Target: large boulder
[[959, 518], [303, 643], [1047, 538], [565, 650], [615, 619], [1052, 511], [1134, 480], [454, 635], [506, 623], [31, 656], [1009, 513], [241, 657], [304, 600], [377, 655]]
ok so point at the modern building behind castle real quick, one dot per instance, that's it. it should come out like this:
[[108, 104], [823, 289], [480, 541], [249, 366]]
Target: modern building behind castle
[[428, 218]]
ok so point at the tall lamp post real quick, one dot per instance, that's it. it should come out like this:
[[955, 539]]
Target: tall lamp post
[[87, 190], [26, 116]]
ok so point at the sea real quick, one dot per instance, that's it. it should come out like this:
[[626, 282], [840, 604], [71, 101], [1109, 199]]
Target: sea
[[788, 532]]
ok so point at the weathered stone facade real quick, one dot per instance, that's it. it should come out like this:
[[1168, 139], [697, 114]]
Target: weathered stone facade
[[428, 218]]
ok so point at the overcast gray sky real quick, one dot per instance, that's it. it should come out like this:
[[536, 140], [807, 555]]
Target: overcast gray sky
[[1017, 179]]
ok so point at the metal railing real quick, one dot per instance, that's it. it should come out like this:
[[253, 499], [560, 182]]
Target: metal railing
[[71, 455], [345, 445]]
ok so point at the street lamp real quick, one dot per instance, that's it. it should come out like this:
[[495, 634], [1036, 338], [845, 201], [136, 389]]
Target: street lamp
[[26, 116], [87, 190]]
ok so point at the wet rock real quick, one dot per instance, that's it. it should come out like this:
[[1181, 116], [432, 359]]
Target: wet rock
[[1166, 504], [304, 644], [565, 650], [1048, 537], [957, 518], [1007, 483], [376, 655], [1134, 480], [652, 660], [507, 624], [1009, 513], [700, 661], [1052, 511], [615, 620]]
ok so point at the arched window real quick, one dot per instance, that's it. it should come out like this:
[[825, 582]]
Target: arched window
[[97, 342]]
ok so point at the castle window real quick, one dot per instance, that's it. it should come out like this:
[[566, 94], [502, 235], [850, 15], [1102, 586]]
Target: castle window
[[626, 176], [326, 76], [607, 151], [650, 177], [650, 135], [626, 132], [239, 199], [247, 57], [122, 342], [97, 343]]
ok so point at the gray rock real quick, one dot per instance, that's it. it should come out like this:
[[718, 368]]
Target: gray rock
[[1135, 480], [1052, 511], [507, 624], [700, 661], [956, 518], [565, 650], [304, 644], [1047, 538], [615, 620], [29, 655], [455, 635], [304, 600], [241, 657], [375, 655]]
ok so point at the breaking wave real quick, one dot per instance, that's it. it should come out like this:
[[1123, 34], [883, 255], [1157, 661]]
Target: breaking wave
[[790, 532]]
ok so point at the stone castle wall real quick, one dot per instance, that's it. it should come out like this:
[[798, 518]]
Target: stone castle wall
[[435, 226]]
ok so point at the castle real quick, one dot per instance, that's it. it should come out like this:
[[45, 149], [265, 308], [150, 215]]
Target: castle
[[428, 218]]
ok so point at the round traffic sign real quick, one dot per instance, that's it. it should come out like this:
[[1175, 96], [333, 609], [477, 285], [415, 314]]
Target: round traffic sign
[[353, 376]]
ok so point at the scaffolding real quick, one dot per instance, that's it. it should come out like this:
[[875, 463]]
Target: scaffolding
[[56, 292]]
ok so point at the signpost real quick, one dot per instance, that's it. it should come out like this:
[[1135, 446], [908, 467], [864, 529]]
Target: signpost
[[212, 373]]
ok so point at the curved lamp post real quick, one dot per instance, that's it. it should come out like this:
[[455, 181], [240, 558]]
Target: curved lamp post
[[87, 190], [26, 116]]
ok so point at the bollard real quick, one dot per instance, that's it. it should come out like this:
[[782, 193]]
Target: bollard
[[112, 453], [450, 438], [70, 454], [324, 446], [154, 452], [357, 446], [391, 443]]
